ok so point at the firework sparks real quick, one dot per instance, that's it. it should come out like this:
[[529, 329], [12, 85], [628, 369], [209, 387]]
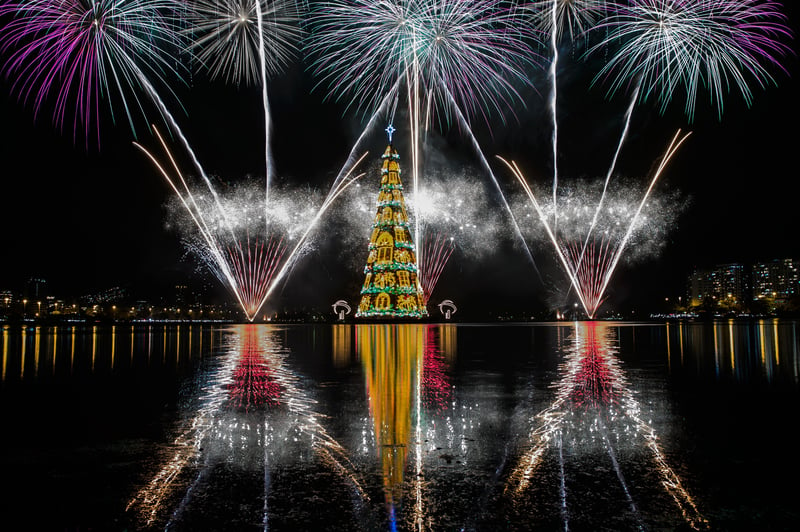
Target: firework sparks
[[572, 17], [244, 41], [437, 253], [80, 52], [593, 393], [477, 50], [590, 277], [249, 267], [454, 206], [668, 46], [455, 59], [225, 37]]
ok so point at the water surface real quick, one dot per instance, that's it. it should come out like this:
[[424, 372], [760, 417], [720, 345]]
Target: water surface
[[560, 426]]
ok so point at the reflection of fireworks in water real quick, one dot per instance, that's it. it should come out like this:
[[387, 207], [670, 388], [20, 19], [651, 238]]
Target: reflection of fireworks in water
[[254, 384], [436, 389], [590, 278], [252, 379], [247, 266], [593, 393], [184, 448], [87, 51]]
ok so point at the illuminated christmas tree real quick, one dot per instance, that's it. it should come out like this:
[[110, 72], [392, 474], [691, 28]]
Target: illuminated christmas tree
[[391, 288]]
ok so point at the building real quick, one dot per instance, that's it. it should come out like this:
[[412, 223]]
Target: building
[[36, 289], [777, 279], [724, 282]]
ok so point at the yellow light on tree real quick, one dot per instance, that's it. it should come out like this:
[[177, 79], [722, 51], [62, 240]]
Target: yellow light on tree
[[391, 288]]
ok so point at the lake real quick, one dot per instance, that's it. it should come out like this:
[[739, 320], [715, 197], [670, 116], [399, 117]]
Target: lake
[[530, 426]]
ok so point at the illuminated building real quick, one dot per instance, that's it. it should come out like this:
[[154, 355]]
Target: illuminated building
[[722, 282], [391, 287], [775, 279], [7, 297]]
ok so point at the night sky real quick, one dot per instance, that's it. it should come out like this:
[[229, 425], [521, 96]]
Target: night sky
[[88, 219]]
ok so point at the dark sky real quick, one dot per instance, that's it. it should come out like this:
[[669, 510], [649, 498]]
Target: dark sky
[[89, 219]]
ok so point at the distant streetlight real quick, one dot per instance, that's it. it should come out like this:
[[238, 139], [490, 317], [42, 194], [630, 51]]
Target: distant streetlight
[[24, 304]]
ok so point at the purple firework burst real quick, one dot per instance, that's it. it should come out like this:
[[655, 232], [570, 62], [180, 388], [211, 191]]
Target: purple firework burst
[[80, 52]]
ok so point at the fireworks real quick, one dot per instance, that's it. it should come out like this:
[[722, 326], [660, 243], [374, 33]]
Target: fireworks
[[449, 61], [455, 59], [573, 17], [595, 408], [663, 45], [455, 209], [243, 249], [80, 52], [577, 201], [669, 46], [225, 36], [475, 51], [236, 242], [590, 274]]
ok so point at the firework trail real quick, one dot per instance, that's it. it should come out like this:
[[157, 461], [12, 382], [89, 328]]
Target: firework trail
[[584, 282], [553, 17], [471, 53], [485, 164], [610, 172], [676, 142], [553, 114], [244, 41], [562, 17], [437, 253], [667, 46], [225, 38], [249, 267], [80, 52]]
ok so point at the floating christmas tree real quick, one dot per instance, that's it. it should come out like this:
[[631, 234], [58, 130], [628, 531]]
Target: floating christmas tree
[[391, 288]]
